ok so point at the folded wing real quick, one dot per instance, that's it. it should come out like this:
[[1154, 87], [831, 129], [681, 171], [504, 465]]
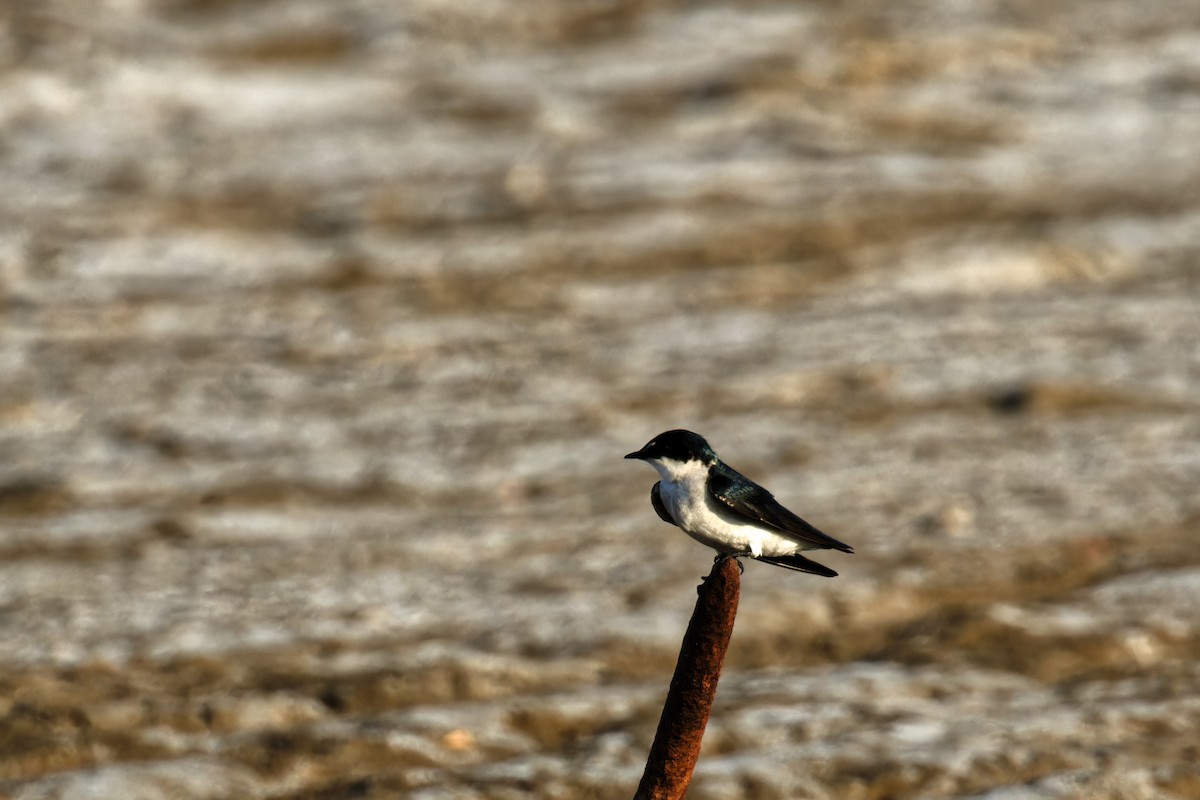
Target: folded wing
[[741, 497], [659, 506]]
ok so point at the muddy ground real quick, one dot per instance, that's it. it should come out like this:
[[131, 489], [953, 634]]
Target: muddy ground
[[324, 328]]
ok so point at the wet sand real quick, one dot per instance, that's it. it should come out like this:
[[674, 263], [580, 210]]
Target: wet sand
[[325, 327]]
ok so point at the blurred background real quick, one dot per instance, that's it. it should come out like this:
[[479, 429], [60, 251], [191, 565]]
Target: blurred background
[[325, 325]]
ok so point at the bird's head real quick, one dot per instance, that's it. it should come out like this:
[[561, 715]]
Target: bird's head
[[676, 448]]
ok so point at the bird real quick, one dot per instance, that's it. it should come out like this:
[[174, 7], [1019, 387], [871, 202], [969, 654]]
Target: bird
[[718, 506]]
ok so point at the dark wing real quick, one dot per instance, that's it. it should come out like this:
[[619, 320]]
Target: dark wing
[[734, 492], [656, 501], [800, 564]]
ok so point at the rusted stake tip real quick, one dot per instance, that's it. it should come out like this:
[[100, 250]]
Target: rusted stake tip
[[694, 685]]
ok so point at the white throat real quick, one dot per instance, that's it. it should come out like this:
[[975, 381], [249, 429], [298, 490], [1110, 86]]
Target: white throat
[[681, 473]]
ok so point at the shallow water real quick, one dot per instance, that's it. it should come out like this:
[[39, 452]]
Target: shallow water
[[326, 325]]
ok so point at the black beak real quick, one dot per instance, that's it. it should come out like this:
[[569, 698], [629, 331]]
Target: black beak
[[637, 455]]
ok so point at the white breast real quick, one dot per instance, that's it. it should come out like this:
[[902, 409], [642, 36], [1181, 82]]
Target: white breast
[[685, 494]]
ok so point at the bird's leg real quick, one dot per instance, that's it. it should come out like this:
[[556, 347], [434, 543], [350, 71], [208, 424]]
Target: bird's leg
[[741, 567]]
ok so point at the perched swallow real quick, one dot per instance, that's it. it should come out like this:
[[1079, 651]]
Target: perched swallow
[[718, 506]]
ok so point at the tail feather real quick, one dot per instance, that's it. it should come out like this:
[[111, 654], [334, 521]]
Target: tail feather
[[800, 564]]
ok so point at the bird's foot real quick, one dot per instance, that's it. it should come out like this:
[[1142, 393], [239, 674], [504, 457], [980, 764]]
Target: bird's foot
[[725, 556]]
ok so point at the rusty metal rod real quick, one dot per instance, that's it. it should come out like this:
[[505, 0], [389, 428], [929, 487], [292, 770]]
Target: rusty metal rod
[[693, 687]]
